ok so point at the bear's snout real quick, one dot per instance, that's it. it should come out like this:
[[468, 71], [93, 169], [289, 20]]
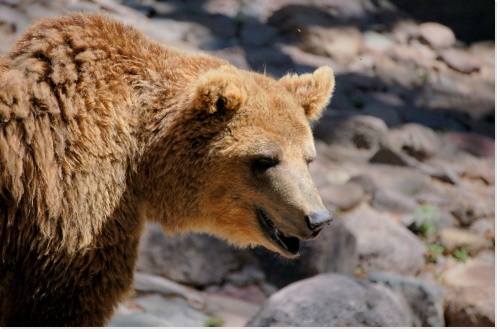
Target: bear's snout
[[317, 220]]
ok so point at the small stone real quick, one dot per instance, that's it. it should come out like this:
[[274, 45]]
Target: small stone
[[436, 35], [234, 312], [386, 155], [250, 293], [343, 44], [484, 227], [484, 51], [459, 60], [392, 201], [470, 295], [395, 74], [483, 170], [343, 196], [176, 311], [445, 175], [362, 132], [477, 145], [465, 214], [375, 41], [139, 319], [404, 30], [453, 238], [419, 55], [418, 141], [365, 181], [146, 282]]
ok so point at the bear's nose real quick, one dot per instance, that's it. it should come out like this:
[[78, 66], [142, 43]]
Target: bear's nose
[[318, 220]]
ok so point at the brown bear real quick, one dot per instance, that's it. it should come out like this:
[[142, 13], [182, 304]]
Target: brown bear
[[102, 129]]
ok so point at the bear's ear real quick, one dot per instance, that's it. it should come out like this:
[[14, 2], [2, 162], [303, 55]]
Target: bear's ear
[[219, 89], [312, 91]]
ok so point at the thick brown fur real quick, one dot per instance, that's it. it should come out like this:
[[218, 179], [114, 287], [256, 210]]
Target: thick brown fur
[[102, 129]]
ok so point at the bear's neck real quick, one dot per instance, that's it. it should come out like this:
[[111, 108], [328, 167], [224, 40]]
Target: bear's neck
[[159, 82]]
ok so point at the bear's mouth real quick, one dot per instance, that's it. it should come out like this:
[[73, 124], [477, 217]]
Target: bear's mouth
[[289, 243]]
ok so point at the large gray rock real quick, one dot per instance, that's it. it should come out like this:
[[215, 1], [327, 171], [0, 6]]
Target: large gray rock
[[332, 300], [185, 259], [383, 243], [425, 300]]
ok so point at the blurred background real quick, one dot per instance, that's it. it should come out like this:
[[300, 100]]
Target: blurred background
[[406, 164]]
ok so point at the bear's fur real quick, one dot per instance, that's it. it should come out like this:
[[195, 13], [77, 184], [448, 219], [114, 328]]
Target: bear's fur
[[102, 129]]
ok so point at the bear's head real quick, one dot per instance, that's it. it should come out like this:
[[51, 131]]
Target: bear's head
[[238, 160]]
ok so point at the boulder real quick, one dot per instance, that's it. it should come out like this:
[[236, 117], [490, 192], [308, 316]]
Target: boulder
[[334, 251], [332, 300], [195, 266], [425, 300], [383, 243]]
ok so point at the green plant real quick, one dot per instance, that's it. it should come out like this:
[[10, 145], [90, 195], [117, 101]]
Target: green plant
[[427, 212], [423, 74], [336, 211], [425, 217], [461, 254], [434, 250], [359, 272], [214, 322]]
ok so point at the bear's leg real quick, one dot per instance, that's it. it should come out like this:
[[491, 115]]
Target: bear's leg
[[84, 293], [81, 289]]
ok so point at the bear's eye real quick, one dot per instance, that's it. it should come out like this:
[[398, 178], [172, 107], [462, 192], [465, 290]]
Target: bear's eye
[[262, 164]]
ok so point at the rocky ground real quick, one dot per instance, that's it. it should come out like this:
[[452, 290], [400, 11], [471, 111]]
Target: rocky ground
[[406, 163]]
